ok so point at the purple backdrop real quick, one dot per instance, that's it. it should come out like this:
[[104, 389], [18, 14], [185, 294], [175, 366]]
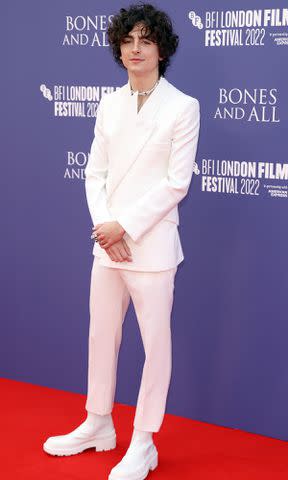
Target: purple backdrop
[[230, 311]]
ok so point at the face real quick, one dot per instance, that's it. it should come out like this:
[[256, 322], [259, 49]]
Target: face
[[139, 54]]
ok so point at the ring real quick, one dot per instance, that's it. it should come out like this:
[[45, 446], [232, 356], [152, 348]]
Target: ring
[[94, 237]]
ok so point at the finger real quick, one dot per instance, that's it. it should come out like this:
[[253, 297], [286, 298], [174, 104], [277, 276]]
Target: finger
[[101, 236], [98, 230], [97, 226], [104, 241], [111, 255], [118, 256], [104, 244], [123, 253], [127, 249], [126, 244], [117, 253]]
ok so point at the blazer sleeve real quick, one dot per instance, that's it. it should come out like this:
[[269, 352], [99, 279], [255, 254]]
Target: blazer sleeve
[[96, 172], [160, 199]]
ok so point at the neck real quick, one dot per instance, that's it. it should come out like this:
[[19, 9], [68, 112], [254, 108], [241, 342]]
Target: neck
[[140, 83]]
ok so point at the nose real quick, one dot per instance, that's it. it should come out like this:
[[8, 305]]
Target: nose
[[136, 47]]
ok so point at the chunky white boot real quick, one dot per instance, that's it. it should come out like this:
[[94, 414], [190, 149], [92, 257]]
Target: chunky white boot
[[96, 431], [140, 458]]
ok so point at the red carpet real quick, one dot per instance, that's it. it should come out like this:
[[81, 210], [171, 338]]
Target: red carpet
[[187, 449]]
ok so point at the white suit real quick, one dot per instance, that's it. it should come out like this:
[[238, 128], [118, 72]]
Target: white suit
[[140, 167]]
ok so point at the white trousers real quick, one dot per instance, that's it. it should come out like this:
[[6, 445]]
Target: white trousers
[[152, 297]]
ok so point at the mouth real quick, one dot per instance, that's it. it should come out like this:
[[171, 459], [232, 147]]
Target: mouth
[[136, 60]]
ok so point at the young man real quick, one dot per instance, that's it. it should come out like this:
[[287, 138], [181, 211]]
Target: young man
[[139, 169]]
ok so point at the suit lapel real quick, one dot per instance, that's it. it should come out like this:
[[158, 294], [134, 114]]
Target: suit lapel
[[134, 132]]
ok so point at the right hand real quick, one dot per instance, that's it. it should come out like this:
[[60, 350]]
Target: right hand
[[119, 251]]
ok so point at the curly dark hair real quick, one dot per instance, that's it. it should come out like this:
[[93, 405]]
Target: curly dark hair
[[158, 28]]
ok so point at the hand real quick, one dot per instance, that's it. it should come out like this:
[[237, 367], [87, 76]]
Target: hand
[[119, 251], [108, 233]]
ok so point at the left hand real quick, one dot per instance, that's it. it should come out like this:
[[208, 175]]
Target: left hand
[[108, 233]]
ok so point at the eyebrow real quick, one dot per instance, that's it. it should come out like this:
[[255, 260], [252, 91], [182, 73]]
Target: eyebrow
[[142, 36]]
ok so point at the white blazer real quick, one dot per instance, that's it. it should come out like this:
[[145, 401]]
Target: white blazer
[[139, 169]]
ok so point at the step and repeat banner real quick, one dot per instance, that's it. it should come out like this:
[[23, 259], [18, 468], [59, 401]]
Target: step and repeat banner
[[229, 318]]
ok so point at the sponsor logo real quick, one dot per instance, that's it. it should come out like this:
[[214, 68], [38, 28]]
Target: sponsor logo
[[196, 169], [195, 20], [244, 178], [46, 92], [242, 28], [75, 100]]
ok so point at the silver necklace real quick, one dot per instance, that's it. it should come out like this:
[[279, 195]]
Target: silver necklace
[[146, 91]]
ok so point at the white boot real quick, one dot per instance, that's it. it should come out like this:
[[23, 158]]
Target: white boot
[[140, 458], [96, 431]]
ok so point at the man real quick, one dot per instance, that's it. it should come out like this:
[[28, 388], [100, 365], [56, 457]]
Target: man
[[139, 169]]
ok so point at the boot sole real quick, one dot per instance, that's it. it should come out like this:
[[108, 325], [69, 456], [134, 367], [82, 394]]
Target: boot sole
[[100, 445], [152, 466]]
